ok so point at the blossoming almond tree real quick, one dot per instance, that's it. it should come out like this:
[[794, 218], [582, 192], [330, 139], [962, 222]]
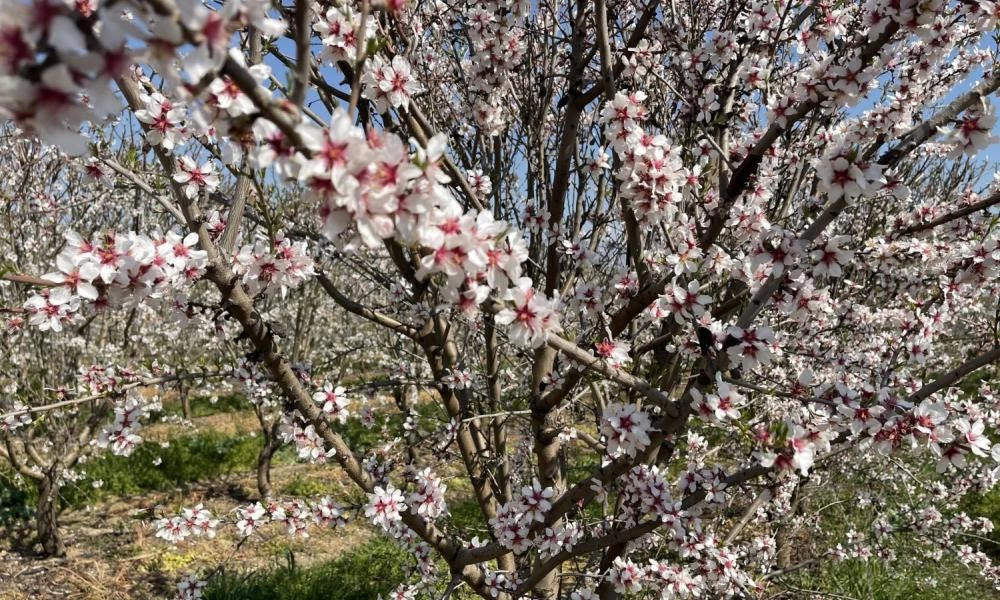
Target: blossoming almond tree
[[76, 391], [725, 249], [84, 388]]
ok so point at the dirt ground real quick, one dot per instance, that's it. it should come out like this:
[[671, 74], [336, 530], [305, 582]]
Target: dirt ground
[[113, 554]]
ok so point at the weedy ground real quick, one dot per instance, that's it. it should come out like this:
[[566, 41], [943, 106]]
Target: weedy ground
[[112, 549], [113, 553]]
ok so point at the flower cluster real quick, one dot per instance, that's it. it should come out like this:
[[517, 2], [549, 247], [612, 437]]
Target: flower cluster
[[113, 270], [258, 388], [718, 407], [122, 434], [197, 521], [513, 524], [16, 417], [385, 506], [333, 401], [427, 498], [389, 84], [295, 516], [496, 31], [974, 131], [308, 443], [651, 171], [626, 428], [276, 266], [842, 173], [372, 185], [338, 28], [533, 316]]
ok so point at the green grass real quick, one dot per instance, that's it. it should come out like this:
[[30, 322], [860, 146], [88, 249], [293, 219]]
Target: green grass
[[360, 438], [305, 488], [362, 574], [912, 575], [201, 457], [378, 566], [465, 515], [986, 505], [201, 406], [907, 579], [188, 459], [16, 502]]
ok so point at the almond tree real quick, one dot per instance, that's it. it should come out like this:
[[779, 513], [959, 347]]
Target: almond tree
[[691, 241], [71, 395]]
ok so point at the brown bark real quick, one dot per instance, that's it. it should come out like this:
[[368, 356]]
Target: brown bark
[[47, 520], [606, 590], [271, 444], [399, 397], [545, 432], [785, 533], [185, 396]]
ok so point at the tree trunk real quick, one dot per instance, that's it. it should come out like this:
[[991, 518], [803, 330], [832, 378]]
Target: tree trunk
[[271, 445], [399, 396], [605, 590], [47, 520], [551, 472], [183, 392], [785, 533], [264, 472]]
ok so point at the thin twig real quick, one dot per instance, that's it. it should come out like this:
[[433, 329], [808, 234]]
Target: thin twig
[[360, 53], [128, 386]]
